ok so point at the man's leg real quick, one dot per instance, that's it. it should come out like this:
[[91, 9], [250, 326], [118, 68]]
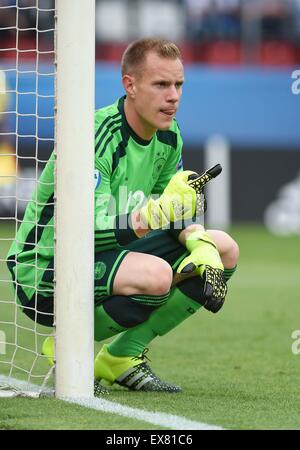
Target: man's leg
[[141, 285], [129, 291], [184, 300], [147, 278], [122, 361]]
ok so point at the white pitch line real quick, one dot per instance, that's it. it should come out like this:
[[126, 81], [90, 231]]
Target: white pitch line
[[169, 421]]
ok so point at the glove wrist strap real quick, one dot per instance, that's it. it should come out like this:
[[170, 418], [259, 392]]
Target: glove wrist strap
[[195, 239]]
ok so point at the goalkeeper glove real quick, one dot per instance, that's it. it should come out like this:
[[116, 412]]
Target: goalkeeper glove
[[178, 201], [205, 261]]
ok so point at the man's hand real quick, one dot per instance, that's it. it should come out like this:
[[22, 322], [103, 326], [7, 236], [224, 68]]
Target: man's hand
[[199, 182], [178, 201], [205, 261]]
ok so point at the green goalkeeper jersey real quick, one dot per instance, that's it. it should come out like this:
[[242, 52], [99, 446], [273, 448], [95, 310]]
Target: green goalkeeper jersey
[[127, 170]]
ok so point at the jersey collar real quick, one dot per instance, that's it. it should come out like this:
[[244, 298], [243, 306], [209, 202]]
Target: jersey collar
[[132, 133]]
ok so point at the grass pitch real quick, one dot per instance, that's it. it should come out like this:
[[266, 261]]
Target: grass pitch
[[236, 368]]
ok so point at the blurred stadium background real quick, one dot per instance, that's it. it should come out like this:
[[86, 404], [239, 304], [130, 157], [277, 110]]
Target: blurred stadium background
[[239, 56]]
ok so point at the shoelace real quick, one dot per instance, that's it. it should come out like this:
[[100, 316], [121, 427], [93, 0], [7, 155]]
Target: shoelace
[[143, 356]]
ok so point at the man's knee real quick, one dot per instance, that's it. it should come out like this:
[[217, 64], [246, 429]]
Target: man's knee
[[231, 252], [159, 278], [145, 276], [227, 247], [234, 252]]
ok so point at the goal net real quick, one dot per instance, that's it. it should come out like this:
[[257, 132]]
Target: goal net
[[29, 65], [26, 140]]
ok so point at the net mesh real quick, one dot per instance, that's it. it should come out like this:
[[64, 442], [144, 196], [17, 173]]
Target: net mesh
[[27, 100]]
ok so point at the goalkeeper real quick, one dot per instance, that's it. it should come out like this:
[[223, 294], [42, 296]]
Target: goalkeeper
[[155, 265]]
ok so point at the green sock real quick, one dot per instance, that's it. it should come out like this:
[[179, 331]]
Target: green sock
[[229, 272], [118, 317], [133, 341], [178, 307], [104, 326]]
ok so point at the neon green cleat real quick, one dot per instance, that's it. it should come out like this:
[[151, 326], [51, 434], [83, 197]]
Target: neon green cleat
[[205, 261], [48, 350], [130, 372]]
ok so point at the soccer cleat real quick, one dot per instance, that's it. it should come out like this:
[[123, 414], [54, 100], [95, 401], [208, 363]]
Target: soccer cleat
[[142, 378], [130, 372], [48, 350], [99, 390]]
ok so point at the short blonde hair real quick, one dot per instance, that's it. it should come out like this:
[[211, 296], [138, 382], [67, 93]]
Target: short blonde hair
[[135, 54]]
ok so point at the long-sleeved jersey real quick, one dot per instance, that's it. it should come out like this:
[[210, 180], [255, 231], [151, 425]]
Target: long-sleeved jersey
[[127, 170]]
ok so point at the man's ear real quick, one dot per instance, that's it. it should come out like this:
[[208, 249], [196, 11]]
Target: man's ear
[[129, 85]]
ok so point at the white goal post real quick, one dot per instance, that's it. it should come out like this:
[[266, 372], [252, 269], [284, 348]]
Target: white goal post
[[70, 67], [75, 99]]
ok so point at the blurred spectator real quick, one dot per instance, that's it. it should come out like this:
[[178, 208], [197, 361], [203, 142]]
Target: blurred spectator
[[195, 11], [27, 17], [26, 25], [206, 30], [124, 20], [276, 20], [7, 19], [112, 20], [167, 21], [213, 19], [295, 12]]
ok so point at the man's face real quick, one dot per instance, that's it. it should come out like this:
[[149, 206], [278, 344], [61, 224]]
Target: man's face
[[157, 92]]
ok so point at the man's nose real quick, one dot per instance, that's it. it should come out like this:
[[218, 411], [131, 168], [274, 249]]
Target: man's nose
[[173, 94]]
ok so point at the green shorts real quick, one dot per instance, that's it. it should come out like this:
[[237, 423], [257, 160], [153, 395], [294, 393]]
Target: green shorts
[[158, 243], [33, 280], [33, 283]]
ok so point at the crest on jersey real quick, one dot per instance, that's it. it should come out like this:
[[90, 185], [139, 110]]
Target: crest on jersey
[[161, 158], [100, 269]]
